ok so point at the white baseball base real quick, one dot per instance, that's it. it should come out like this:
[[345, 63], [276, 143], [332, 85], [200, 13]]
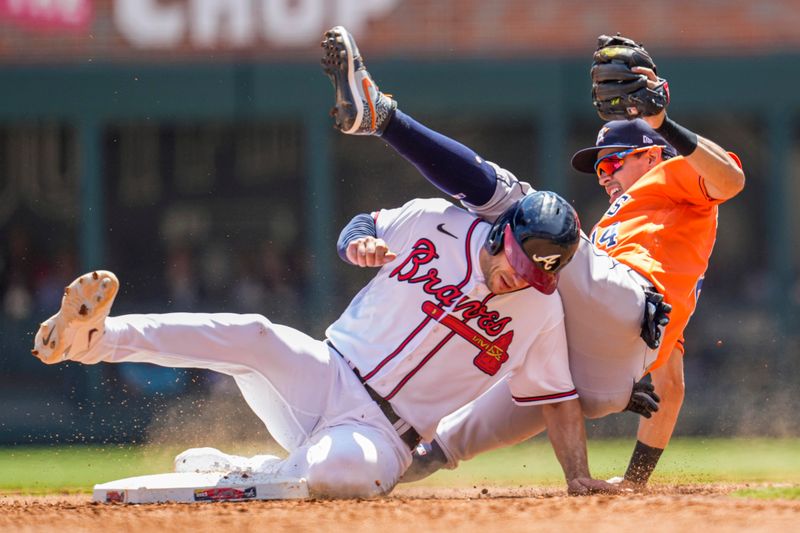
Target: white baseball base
[[186, 487]]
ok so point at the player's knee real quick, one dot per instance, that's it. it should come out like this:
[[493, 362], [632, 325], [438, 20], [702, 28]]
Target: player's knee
[[668, 379], [257, 326], [598, 406], [346, 477]]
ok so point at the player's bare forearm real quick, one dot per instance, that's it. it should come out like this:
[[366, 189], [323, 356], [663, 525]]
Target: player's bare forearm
[[565, 428], [722, 176], [567, 433], [668, 380]]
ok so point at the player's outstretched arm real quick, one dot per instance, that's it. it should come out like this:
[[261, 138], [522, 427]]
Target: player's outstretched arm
[[565, 428], [722, 175]]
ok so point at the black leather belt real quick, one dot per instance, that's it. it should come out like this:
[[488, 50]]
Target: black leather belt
[[406, 432]]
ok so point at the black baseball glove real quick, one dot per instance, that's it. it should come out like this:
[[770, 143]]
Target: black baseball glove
[[618, 92], [644, 400], [656, 312]]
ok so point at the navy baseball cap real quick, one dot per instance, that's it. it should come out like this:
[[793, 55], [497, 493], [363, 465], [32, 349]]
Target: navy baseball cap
[[621, 134]]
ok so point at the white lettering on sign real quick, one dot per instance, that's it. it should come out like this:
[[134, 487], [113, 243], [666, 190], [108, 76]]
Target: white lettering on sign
[[228, 22], [148, 24], [353, 14], [43, 14], [293, 23], [239, 23]]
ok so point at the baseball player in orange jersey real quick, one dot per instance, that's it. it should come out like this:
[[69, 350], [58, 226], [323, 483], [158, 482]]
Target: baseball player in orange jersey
[[661, 223]]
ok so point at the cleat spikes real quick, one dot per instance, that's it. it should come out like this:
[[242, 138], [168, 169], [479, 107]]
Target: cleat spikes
[[361, 109], [71, 332]]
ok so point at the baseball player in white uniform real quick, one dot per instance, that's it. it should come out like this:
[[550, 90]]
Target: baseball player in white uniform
[[614, 318], [452, 316]]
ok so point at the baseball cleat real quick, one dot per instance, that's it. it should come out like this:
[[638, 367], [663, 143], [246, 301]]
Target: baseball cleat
[[68, 334], [207, 460], [361, 109]]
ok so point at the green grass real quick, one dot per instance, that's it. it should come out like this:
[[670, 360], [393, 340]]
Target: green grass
[[38, 470], [58, 469], [769, 493], [687, 460]]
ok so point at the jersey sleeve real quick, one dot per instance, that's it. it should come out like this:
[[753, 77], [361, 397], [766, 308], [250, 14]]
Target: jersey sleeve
[[397, 226], [507, 191], [686, 185], [544, 376]]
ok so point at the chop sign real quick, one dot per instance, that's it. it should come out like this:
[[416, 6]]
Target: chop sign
[[239, 23]]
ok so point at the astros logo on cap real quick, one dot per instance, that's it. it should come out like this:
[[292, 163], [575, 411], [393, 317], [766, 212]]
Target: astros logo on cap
[[601, 134]]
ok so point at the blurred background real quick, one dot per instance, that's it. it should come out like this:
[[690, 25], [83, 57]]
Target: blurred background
[[186, 145]]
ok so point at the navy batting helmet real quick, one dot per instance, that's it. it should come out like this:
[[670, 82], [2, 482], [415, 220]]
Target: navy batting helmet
[[539, 234]]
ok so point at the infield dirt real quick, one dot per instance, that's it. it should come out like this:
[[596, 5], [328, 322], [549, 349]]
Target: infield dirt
[[665, 508]]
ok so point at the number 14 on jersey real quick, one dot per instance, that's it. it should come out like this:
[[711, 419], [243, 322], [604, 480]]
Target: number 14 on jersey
[[608, 236]]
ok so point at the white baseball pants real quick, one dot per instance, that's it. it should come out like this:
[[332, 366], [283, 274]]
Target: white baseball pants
[[308, 398]]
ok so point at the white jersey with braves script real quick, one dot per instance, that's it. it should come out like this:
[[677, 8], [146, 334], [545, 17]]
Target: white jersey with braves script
[[429, 336]]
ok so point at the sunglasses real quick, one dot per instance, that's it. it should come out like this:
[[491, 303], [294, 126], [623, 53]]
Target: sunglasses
[[610, 163]]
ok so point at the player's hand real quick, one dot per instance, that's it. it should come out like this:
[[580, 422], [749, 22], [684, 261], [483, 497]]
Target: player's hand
[[656, 312], [653, 81], [644, 400], [369, 252], [584, 486]]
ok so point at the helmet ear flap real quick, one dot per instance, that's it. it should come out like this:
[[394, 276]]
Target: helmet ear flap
[[494, 241]]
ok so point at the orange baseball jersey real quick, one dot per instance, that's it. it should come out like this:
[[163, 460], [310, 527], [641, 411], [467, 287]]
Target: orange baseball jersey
[[664, 227]]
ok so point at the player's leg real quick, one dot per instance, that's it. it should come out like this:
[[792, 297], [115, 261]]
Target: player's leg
[[352, 453], [300, 388], [655, 433], [604, 306], [361, 109], [490, 422], [603, 311], [350, 460], [282, 372], [285, 376]]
